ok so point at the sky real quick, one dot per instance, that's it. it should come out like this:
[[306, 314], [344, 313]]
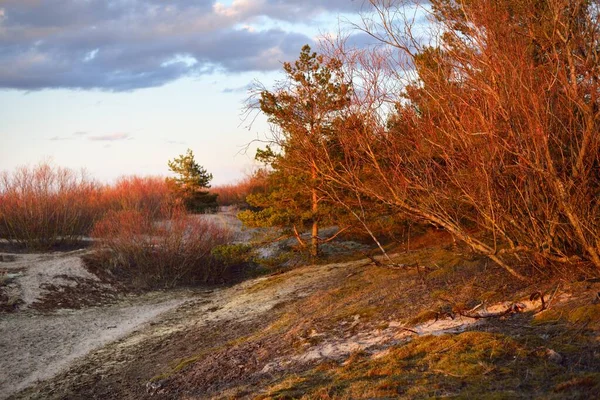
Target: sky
[[120, 87]]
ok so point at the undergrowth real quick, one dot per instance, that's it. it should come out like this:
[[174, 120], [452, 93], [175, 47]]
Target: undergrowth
[[148, 254]]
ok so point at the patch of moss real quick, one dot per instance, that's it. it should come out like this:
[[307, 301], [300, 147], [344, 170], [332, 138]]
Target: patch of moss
[[469, 365], [185, 362], [587, 314], [466, 354], [178, 366], [268, 282], [297, 387]]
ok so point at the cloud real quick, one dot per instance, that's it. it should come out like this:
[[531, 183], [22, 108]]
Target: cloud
[[75, 135], [113, 137], [123, 45], [239, 89]]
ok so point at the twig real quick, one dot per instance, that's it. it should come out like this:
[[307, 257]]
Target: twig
[[513, 308], [475, 308], [439, 371], [538, 295], [552, 297], [409, 330]]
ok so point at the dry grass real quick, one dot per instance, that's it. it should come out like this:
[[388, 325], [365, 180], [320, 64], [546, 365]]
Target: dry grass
[[510, 358], [554, 356], [374, 294]]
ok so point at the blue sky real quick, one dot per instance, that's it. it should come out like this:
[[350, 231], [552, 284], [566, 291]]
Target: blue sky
[[120, 87]]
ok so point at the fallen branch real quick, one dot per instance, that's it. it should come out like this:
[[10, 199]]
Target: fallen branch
[[409, 330], [512, 309]]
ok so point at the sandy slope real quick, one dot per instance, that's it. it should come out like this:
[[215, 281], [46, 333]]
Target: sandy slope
[[37, 347], [243, 302]]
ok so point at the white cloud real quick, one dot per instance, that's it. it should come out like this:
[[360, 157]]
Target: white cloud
[[240, 8], [91, 55]]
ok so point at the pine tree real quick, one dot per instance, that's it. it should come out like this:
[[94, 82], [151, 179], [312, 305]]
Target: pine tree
[[191, 183], [303, 111]]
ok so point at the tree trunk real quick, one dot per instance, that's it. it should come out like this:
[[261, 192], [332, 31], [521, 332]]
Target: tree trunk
[[314, 245]]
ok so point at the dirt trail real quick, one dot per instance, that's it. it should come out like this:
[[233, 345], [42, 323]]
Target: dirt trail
[[35, 345]]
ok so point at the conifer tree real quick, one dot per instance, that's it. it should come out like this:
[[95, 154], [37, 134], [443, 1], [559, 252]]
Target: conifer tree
[[191, 183], [302, 110]]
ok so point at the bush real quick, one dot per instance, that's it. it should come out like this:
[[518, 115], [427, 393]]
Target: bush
[[46, 206], [148, 194], [150, 254], [235, 194], [233, 255]]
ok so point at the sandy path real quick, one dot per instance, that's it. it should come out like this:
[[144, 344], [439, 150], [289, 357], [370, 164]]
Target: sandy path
[[36, 347]]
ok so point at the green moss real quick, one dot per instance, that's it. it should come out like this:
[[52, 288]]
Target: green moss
[[179, 365], [587, 314], [185, 362], [468, 365], [467, 354], [296, 387], [547, 317]]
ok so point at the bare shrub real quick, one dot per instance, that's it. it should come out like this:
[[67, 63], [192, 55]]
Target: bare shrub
[[151, 254], [148, 193], [235, 194], [44, 206], [487, 130]]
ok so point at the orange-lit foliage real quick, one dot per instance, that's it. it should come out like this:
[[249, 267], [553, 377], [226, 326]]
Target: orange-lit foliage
[[493, 129], [149, 194], [45, 205], [235, 194], [149, 254]]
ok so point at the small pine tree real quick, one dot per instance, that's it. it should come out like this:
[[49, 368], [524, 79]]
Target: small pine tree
[[191, 183], [304, 109]]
